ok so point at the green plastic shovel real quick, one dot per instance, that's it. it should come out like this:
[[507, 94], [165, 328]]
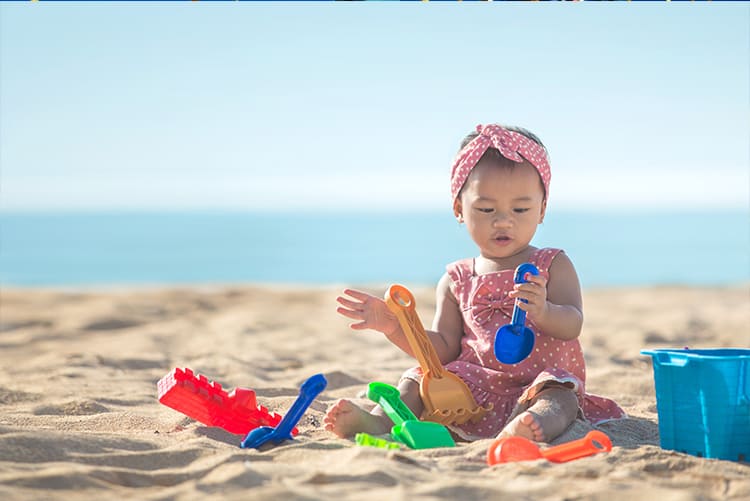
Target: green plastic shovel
[[407, 428]]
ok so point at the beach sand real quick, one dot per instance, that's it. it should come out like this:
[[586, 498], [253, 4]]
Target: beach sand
[[80, 420]]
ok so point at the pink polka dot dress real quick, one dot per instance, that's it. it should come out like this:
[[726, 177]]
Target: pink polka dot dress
[[485, 307]]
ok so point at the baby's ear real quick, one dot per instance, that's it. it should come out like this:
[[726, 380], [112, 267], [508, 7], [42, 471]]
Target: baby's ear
[[458, 210], [544, 210]]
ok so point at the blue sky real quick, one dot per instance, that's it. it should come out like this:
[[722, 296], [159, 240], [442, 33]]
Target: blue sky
[[362, 105]]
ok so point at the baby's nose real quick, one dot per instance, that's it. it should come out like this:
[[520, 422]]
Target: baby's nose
[[502, 220]]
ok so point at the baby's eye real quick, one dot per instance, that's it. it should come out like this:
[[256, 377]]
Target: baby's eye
[[485, 210], [520, 210]]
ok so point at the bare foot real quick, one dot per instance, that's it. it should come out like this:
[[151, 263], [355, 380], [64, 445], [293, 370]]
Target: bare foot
[[551, 412], [345, 419], [524, 425]]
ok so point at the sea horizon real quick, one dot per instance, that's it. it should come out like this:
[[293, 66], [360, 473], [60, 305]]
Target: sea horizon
[[154, 248]]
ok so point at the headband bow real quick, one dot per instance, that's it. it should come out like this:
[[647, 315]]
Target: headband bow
[[512, 145]]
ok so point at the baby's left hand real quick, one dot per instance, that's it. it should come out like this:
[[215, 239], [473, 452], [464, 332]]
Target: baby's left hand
[[535, 292]]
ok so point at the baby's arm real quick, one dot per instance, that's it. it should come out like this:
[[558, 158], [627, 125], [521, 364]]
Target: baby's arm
[[555, 306], [448, 325], [372, 313]]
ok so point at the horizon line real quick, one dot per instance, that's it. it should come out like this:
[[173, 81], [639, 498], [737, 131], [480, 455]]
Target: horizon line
[[682, 209]]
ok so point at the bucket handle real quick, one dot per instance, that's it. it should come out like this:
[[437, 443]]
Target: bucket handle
[[673, 359]]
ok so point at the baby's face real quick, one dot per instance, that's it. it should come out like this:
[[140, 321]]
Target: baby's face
[[502, 207]]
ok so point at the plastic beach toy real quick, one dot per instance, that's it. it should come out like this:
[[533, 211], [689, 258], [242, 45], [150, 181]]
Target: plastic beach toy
[[447, 399], [310, 389], [207, 402], [369, 440], [510, 449], [514, 341], [703, 401], [407, 429]]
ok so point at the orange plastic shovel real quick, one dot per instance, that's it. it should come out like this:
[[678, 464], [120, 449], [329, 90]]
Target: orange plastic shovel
[[509, 449], [447, 399]]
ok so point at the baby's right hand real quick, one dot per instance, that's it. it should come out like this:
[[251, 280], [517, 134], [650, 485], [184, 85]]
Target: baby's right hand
[[371, 311]]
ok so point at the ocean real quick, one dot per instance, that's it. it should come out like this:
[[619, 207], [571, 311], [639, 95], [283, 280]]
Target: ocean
[[312, 248]]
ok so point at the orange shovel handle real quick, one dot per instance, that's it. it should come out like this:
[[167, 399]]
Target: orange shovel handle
[[511, 449], [593, 442], [401, 302]]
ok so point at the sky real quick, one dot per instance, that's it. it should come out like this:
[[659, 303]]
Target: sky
[[362, 106]]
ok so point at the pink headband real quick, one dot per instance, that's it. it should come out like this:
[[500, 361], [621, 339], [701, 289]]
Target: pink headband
[[512, 145]]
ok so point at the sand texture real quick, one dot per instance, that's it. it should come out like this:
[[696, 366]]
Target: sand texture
[[79, 417]]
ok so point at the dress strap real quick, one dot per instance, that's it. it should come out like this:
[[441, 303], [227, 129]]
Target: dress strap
[[460, 273], [542, 258]]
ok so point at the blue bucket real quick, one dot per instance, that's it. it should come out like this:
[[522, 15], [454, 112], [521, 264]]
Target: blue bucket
[[703, 401]]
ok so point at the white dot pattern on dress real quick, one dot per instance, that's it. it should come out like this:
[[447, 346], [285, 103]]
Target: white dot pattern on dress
[[483, 306]]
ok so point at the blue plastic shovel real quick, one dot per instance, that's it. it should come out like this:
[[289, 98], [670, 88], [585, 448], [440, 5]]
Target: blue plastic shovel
[[283, 431], [514, 341]]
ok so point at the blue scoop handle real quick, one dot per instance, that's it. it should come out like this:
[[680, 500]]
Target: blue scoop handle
[[310, 389], [519, 316]]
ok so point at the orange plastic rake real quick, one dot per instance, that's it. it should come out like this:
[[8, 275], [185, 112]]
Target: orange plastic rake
[[446, 397]]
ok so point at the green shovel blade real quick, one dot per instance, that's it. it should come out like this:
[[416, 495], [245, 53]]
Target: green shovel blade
[[423, 435], [407, 428]]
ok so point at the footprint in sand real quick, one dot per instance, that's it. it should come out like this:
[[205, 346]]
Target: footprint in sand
[[8, 396], [232, 473], [655, 337], [378, 478], [74, 408], [132, 364], [338, 379], [27, 324], [111, 324]]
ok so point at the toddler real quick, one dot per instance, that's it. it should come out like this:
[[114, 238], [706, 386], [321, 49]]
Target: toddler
[[500, 188]]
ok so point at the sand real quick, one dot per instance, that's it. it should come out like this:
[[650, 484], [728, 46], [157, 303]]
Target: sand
[[79, 417]]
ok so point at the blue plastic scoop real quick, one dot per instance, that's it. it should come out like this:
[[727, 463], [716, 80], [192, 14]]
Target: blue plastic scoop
[[310, 389], [514, 341]]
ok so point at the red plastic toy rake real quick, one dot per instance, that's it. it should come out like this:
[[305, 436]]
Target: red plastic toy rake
[[206, 401]]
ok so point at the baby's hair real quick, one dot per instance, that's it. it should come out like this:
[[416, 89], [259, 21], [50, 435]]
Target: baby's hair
[[493, 154]]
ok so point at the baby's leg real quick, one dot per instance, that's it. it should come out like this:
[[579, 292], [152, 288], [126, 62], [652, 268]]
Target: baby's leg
[[551, 411], [347, 418]]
